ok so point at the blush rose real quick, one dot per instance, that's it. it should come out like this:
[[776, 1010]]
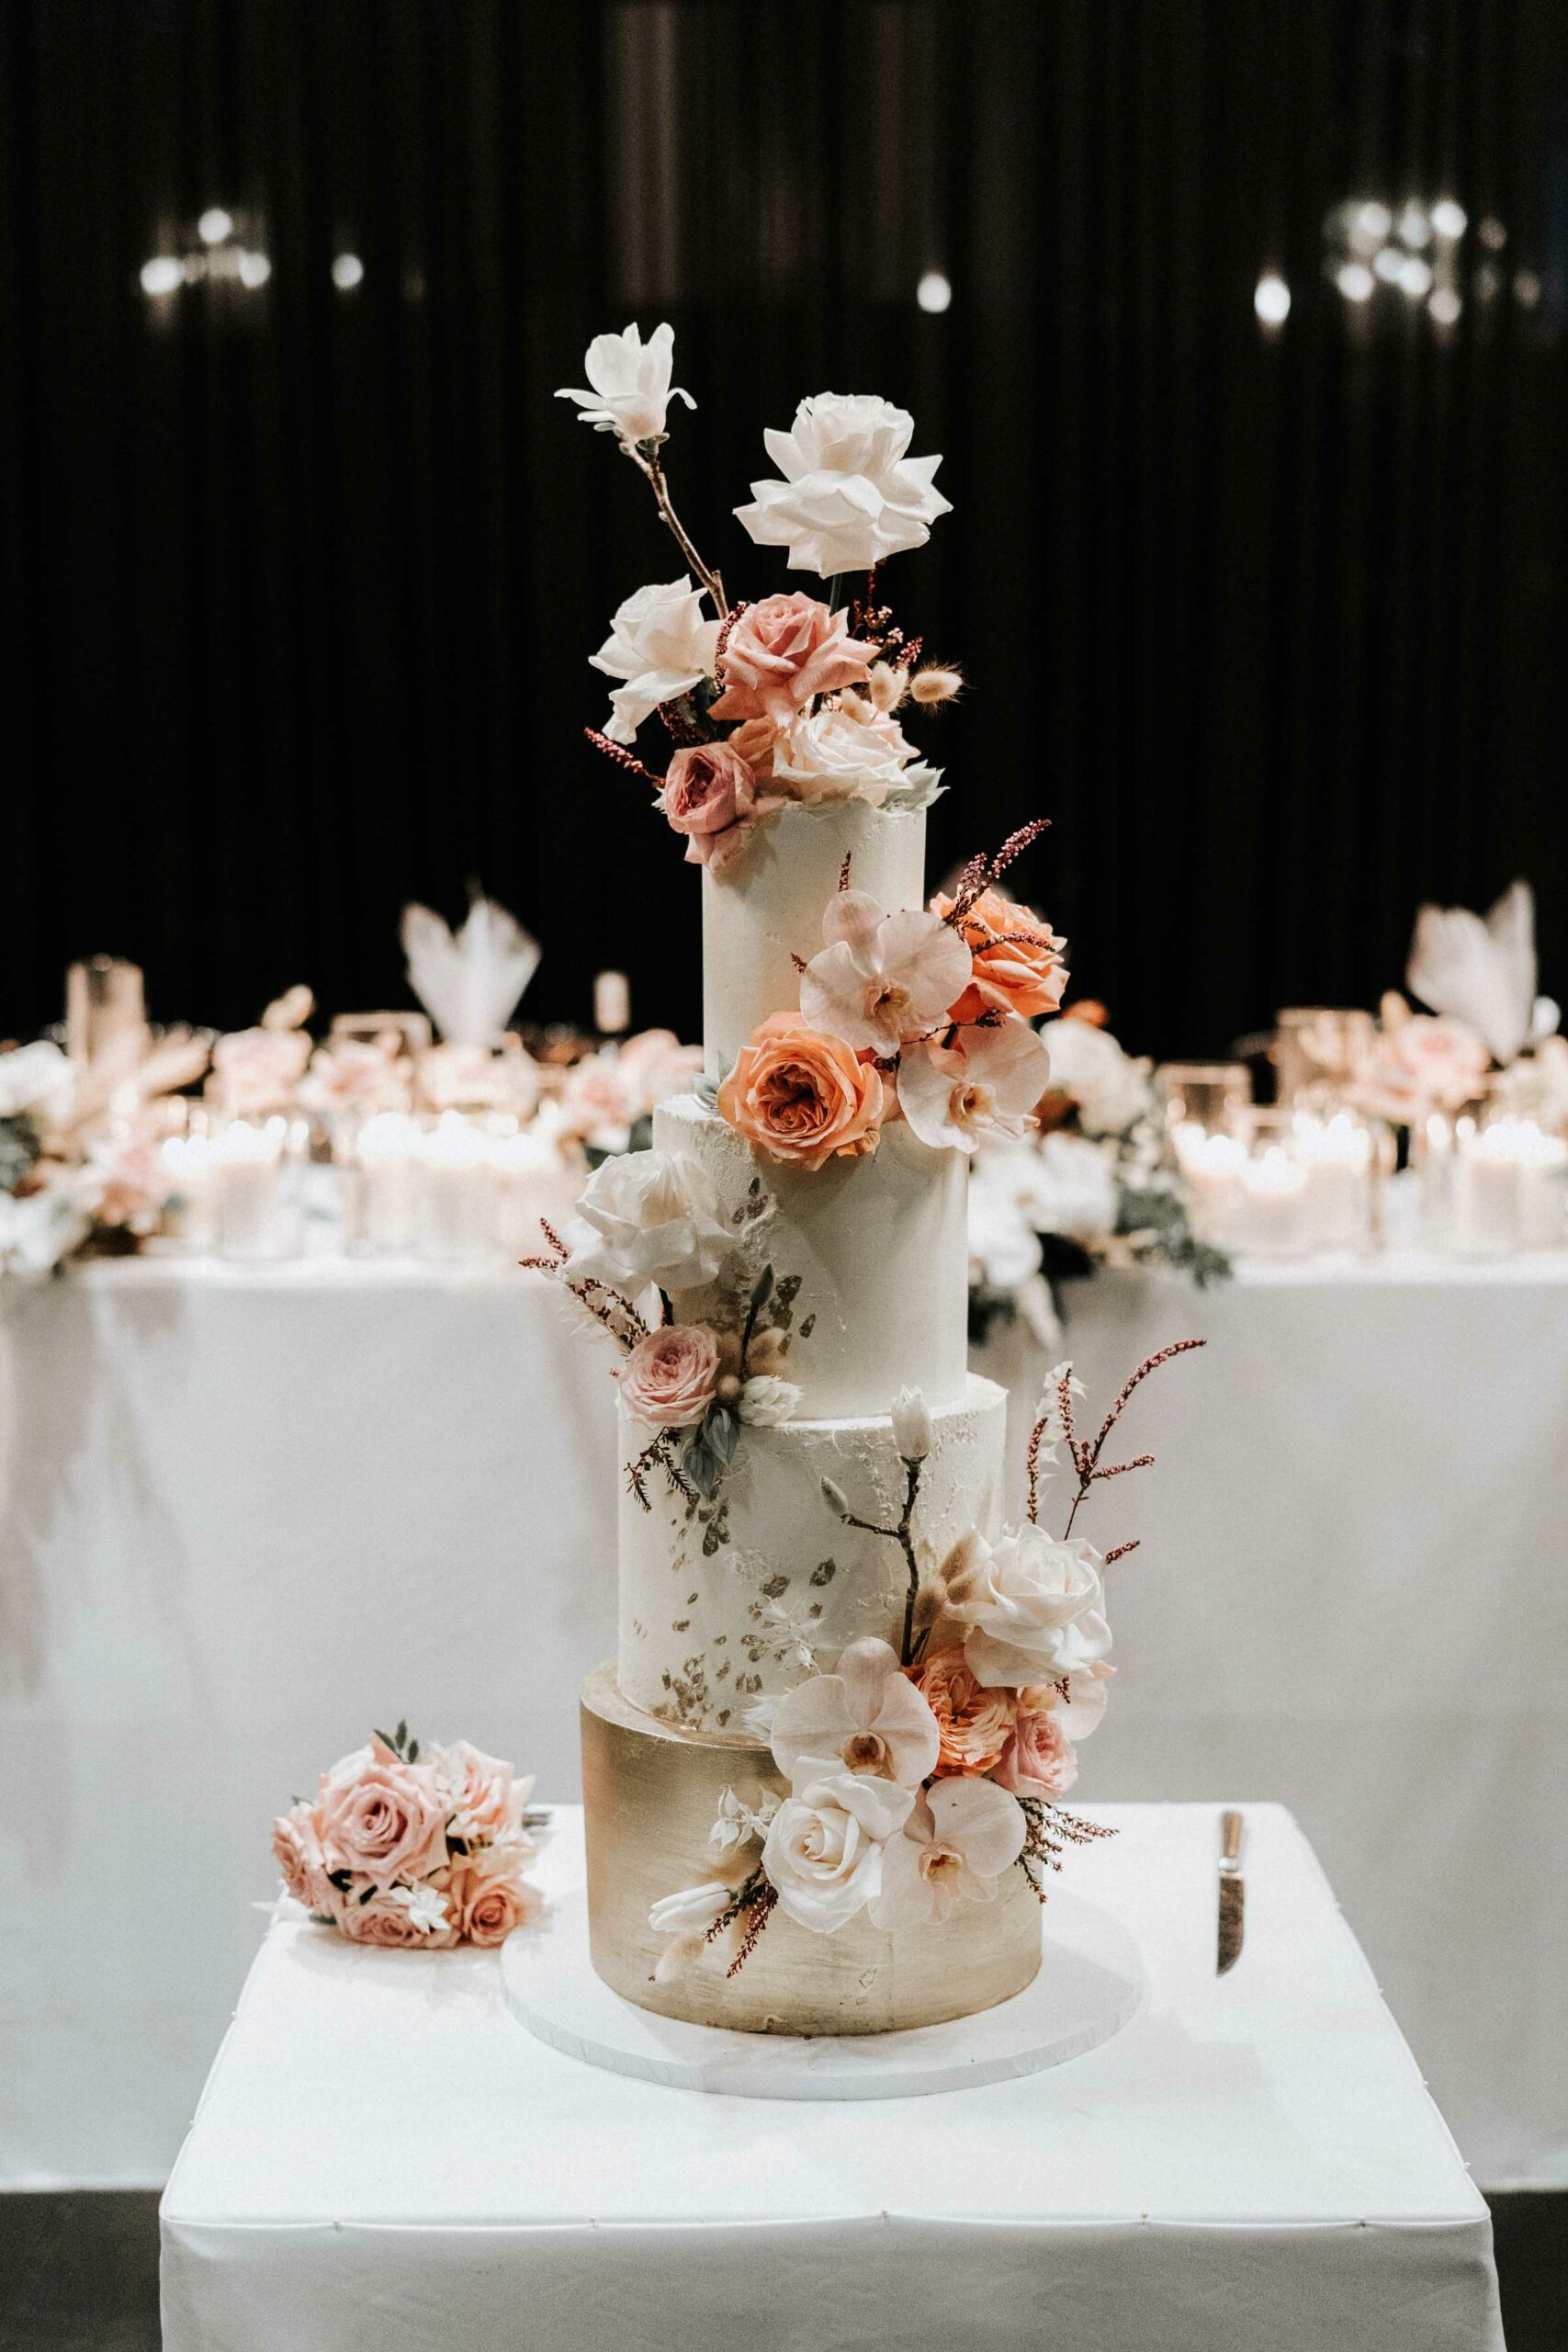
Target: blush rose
[[1039, 1761], [710, 793], [381, 1818], [782, 653], [669, 1377]]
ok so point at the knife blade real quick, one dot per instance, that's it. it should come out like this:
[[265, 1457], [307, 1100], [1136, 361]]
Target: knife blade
[[1232, 1893]]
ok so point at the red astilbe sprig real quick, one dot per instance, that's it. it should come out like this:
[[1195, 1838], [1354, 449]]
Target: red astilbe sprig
[[556, 1254], [1087, 1455], [982, 873], [623, 758], [725, 628], [680, 725]]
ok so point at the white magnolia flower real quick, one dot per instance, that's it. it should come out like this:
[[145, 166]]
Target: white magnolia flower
[[648, 1217], [631, 389], [661, 644], [738, 1822], [823, 1855], [882, 978], [911, 1425], [957, 1842], [867, 1717], [851, 750], [765, 1401], [36, 1078], [988, 1080], [425, 1906], [850, 497], [1110, 1087], [1033, 1605]]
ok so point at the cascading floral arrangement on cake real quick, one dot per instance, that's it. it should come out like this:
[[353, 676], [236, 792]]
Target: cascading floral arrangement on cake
[[823, 1776]]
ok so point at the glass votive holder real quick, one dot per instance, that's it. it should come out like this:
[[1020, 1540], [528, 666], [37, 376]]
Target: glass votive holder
[[1315, 1044], [1273, 1214], [1212, 1096], [184, 1155], [1211, 1165], [456, 1191], [1505, 1191], [379, 1167], [1339, 1150], [257, 1167]]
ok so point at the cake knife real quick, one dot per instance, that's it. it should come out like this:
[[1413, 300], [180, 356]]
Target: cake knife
[[1232, 1893]]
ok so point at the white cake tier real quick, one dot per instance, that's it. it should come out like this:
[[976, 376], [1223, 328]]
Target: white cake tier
[[721, 1603], [767, 908], [878, 1247]]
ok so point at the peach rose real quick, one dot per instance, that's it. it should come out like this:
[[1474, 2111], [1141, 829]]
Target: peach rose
[[757, 740], [381, 1818], [709, 793], [784, 653], [393, 1925], [669, 1377], [490, 1900], [801, 1097], [976, 1725], [477, 1789], [298, 1849], [1039, 1761], [1018, 959]]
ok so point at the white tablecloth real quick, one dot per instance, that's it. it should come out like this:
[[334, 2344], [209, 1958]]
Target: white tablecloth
[[246, 1516], [384, 2162], [1353, 1597]]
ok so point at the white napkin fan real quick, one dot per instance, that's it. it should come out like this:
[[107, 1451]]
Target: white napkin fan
[[470, 981], [1482, 971]]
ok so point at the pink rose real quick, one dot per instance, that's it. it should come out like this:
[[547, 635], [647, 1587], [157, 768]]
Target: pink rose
[[492, 1900], [709, 794], [669, 1377], [300, 1858], [394, 1924], [381, 1818], [784, 653], [1039, 1761], [478, 1788]]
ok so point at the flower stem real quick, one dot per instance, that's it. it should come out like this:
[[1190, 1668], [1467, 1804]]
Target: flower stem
[[653, 467]]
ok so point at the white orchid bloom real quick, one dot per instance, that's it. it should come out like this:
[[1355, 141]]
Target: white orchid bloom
[[850, 497], [866, 1717], [988, 1081], [882, 978], [631, 390], [957, 1842]]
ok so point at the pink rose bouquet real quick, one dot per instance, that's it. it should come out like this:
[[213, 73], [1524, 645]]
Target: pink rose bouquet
[[413, 1850]]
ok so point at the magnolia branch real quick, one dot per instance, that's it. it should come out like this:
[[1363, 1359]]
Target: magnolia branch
[[650, 464]]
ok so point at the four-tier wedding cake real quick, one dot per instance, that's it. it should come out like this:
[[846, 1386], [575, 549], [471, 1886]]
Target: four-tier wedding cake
[[822, 1776]]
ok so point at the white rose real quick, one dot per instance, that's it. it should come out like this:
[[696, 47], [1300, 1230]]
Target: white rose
[[766, 1401], [849, 497], [1004, 1247], [848, 752], [631, 390], [662, 646], [1110, 1088], [1033, 1605], [1073, 1189], [649, 1216], [823, 1854], [35, 1077]]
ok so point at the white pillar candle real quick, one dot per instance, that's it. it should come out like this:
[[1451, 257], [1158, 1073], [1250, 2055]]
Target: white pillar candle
[[187, 1173], [1486, 1192], [385, 1170], [457, 1190], [1274, 1202], [1337, 1153], [1211, 1165], [612, 1004], [254, 1212], [1543, 1160]]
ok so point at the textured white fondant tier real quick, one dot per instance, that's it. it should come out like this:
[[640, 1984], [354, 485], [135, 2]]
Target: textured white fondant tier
[[767, 908], [720, 1601], [879, 1249]]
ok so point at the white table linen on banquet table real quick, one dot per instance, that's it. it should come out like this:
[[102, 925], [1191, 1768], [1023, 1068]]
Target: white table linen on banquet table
[[1353, 1597], [247, 1514], [384, 2160]]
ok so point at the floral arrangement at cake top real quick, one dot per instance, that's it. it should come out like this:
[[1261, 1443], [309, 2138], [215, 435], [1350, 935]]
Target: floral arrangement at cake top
[[417, 1849], [918, 1776]]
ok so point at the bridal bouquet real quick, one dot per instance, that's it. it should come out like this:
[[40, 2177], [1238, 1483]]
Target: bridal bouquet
[[417, 1849]]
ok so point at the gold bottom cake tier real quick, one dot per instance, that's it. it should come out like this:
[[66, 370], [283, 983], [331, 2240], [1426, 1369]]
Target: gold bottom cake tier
[[651, 1795]]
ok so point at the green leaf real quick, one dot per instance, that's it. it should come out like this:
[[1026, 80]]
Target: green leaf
[[385, 1741], [402, 1734], [723, 1433], [413, 1751]]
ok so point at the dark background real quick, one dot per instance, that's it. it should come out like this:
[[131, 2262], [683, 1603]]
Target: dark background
[[298, 585]]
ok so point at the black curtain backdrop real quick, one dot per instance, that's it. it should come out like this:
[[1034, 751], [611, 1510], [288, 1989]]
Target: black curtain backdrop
[[298, 583]]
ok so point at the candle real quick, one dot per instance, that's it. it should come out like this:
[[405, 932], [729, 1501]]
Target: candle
[[1486, 1190], [1211, 1165], [532, 1182], [612, 1004], [187, 1175], [385, 1187], [1337, 1153], [457, 1190], [1274, 1199], [1543, 1159], [256, 1211]]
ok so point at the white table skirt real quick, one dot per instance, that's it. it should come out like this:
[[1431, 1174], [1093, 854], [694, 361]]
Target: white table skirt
[[1352, 1596], [384, 2160], [246, 1516]]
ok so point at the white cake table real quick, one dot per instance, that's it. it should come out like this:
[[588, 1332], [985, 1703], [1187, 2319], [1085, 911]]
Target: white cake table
[[384, 2161]]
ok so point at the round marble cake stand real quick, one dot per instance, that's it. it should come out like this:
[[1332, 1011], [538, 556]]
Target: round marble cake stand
[[1090, 1985]]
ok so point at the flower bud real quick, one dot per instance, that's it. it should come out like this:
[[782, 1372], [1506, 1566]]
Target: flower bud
[[836, 1499], [911, 1425], [935, 685]]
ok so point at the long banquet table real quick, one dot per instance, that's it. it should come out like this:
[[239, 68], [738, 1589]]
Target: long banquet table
[[248, 1513]]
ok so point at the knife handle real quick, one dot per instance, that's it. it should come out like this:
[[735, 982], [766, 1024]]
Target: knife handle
[[1229, 1837]]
